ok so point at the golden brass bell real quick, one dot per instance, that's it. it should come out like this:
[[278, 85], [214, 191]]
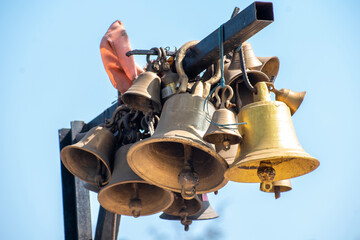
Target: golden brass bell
[[277, 187], [175, 157], [270, 66], [251, 61], [89, 159], [144, 94], [270, 150], [223, 129], [207, 212], [128, 194], [292, 99]]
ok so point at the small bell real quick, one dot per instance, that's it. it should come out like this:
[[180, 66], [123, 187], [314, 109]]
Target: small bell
[[223, 129], [207, 212], [270, 66], [278, 187], [89, 159], [251, 61], [128, 194]]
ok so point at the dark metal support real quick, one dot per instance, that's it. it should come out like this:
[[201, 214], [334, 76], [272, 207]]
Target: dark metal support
[[105, 225], [76, 201], [236, 31]]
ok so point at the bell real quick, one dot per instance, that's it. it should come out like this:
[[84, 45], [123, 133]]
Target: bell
[[251, 61], [182, 207], [277, 187], [270, 150], [175, 157], [168, 82], [89, 159], [228, 154], [270, 66], [235, 61], [207, 212], [220, 130], [292, 99], [144, 94], [128, 194]]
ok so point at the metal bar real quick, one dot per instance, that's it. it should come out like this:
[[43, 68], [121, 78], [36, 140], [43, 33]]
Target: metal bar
[[148, 52], [236, 31], [76, 201], [105, 225]]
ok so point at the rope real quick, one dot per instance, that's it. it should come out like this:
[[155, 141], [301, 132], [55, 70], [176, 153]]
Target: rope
[[221, 52]]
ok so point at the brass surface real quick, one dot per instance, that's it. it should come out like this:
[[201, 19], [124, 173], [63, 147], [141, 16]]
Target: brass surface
[[160, 158], [90, 158], [269, 137], [283, 185], [144, 94], [227, 154], [269, 65], [117, 195], [181, 207], [168, 84], [251, 61]]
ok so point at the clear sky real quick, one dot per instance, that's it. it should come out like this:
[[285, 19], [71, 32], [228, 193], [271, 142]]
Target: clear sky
[[51, 73]]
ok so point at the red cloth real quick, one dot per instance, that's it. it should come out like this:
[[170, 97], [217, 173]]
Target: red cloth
[[122, 70]]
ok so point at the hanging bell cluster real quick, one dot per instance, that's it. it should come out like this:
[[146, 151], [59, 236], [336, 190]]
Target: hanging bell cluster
[[173, 139]]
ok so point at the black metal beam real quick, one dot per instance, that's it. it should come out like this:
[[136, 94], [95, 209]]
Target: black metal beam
[[236, 31], [105, 225]]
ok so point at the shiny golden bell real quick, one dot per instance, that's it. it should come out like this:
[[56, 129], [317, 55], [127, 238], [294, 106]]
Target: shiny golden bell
[[270, 147], [270, 66], [128, 194], [178, 136], [144, 94], [90, 158]]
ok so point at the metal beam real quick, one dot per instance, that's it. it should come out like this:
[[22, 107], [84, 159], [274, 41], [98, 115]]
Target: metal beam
[[106, 223], [236, 31]]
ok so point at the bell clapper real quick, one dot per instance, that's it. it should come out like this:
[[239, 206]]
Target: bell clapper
[[188, 178], [266, 175], [216, 192], [226, 144], [135, 203], [101, 172], [186, 222], [277, 192]]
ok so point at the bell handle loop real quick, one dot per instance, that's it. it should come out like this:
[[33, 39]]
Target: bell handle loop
[[271, 87], [216, 77], [151, 64], [183, 78], [226, 102], [158, 57], [243, 69]]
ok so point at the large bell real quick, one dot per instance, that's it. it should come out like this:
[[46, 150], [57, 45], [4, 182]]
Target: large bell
[[175, 157], [128, 194], [144, 94], [270, 150], [89, 159], [277, 187], [207, 212], [270, 66]]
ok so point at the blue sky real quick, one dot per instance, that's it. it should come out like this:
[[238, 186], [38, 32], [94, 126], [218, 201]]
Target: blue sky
[[51, 73]]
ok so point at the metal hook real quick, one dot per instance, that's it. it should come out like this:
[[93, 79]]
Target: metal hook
[[224, 103]]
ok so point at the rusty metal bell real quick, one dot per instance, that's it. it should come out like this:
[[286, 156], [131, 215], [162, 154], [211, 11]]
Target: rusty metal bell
[[90, 158], [206, 212], [223, 129], [128, 194], [175, 157], [144, 94], [270, 66], [270, 150], [251, 61], [292, 99], [277, 187]]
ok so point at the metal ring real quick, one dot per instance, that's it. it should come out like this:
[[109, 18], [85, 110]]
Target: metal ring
[[157, 59]]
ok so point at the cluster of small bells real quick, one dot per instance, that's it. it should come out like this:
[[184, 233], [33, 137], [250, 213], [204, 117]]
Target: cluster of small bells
[[171, 140]]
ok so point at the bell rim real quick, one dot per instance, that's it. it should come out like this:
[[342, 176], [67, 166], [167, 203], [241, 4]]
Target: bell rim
[[158, 105], [257, 158], [69, 168], [155, 139], [128, 213]]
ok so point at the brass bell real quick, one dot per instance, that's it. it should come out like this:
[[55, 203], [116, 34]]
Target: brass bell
[[270, 150], [251, 61], [223, 129], [175, 157], [182, 207], [144, 94], [207, 212], [89, 159], [277, 187], [270, 66], [228, 154], [128, 194], [168, 82], [292, 99]]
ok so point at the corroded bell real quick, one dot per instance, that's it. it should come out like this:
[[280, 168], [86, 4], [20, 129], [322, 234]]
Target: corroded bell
[[89, 159], [207, 212], [270, 66], [270, 150], [222, 129], [144, 94], [292, 99], [128, 194], [251, 61], [175, 157], [182, 207], [277, 187]]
